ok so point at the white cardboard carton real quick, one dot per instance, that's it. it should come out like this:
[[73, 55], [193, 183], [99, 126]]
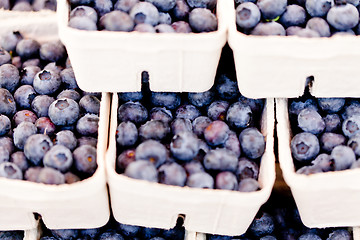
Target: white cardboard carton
[[41, 25], [277, 66], [138, 202], [79, 205], [329, 199], [113, 61]]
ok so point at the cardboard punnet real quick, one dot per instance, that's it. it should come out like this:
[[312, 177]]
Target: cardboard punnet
[[330, 199], [113, 61], [138, 202], [277, 66]]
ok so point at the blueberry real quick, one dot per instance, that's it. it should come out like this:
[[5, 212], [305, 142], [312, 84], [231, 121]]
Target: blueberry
[[319, 25], [117, 21], [64, 111], [152, 151], [126, 134], [181, 27], [91, 233], [330, 140], [7, 143], [24, 116], [163, 5], [308, 33], [5, 4], [54, 67], [85, 140], [308, 170], [271, 9], [130, 96], [199, 125], [202, 20], [154, 129], [27, 74], [40, 105], [125, 5], [354, 143], [9, 40], [27, 48], [188, 112], [147, 233], [210, 4], [268, 28], [233, 144], [268, 237], [44, 4], [9, 77], [216, 133], [134, 112], [144, 12], [172, 174], [82, 23], [5, 154], [352, 109], [262, 225], [84, 11], [339, 234], [103, 6], [297, 105], [351, 126], [34, 62], [200, 180], [220, 159], [248, 185], [90, 104], [32, 174], [142, 169], [5, 57], [144, 27], [129, 231], [88, 125], [201, 99], [181, 10], [74, 95], [65, 233], [217, 110], [247, 169], [311, 121], [85, 159], [46, 82], [343, 17], [10, 170], [12, 235], [22, 132], [247, 15], [5, 125], [181, 125], [164, 28], [58, 157], [161, 114], [50, 176], [343, 157], [318, 8], [36, 146], [294, 15], [184, 146], [165, 18], [324, 162], [304, 146], [239, 115], [193, 167], [24, 95], [52, 51], [68, 78], [332, 122], [125, 158], [309, 236], [252, 143], [19, 159], [71, 178], [226, 180], [331, 105]]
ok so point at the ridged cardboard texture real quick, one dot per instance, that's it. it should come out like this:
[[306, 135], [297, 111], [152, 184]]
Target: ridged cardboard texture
[[138, 202], [277, 66], [329, 199], [113, 61]]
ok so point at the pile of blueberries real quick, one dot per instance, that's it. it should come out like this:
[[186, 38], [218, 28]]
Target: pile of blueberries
[[202, 140], [116, 231], [279, 219], [303, 18], [326, 134], [28, 5], [154, 16], [48, 126]]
